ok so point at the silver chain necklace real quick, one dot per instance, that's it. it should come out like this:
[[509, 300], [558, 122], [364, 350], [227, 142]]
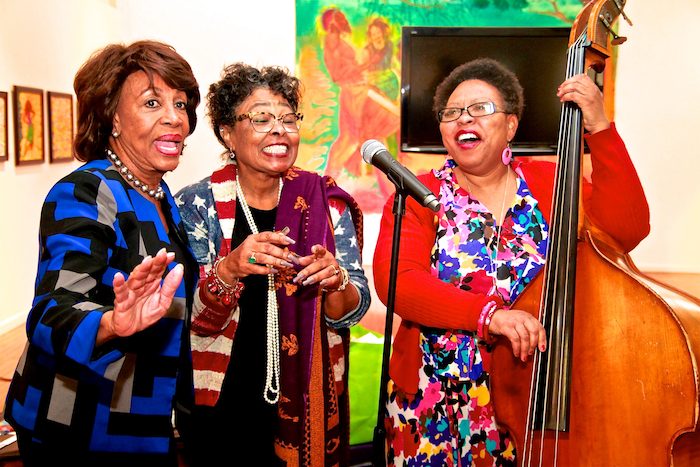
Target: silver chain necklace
[[271, 393], [494, 258]]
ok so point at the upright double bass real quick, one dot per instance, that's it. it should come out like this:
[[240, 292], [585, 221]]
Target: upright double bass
[[618, 384]]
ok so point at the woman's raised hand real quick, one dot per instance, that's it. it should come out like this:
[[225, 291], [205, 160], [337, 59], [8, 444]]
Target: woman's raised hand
[[585, 93], [141, 300]]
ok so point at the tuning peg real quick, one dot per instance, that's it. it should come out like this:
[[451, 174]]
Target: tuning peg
[[616, 40], [620, 5]]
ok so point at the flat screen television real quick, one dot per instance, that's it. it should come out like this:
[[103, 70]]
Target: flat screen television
[[536, 55]]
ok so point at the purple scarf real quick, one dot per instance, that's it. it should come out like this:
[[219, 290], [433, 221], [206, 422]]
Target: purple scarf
[[306, 380]]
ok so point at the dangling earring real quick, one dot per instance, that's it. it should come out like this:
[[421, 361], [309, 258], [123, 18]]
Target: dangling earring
[[507, 155], [231, 154]]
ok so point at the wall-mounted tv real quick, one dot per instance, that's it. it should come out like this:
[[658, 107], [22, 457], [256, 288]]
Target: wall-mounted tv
[[536, 55]]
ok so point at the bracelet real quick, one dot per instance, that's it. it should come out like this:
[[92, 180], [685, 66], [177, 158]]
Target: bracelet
[[344, 280], [226, 294], [482, 327]]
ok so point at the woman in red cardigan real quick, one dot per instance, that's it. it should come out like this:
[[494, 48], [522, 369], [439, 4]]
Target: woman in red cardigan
[[460, 269]]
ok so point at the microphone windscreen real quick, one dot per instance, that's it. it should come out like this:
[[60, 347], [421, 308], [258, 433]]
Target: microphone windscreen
[[370, 148]]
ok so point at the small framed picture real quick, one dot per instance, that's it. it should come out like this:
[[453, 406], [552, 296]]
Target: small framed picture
[[28, 110], [4, 145], [60, 126]]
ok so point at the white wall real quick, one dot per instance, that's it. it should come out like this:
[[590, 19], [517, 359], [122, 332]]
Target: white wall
[[43, 42], [657, 104]]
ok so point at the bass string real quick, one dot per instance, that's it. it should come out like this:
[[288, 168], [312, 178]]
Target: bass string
[[567, 125]]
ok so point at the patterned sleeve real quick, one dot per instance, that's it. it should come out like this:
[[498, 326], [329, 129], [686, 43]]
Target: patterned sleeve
[[348, 255], [197, 209], [74, 280], [196, 206]]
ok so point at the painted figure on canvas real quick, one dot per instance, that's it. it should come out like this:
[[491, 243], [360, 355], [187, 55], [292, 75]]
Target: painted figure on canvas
[[364, 111], [27, 120], [381, 66], [380, 58]]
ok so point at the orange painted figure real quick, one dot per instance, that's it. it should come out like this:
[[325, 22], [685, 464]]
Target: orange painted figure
[[28, 120], [364, 111]]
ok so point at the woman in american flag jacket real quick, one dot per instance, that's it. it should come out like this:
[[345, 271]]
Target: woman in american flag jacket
[[95, 385], [281, 280]]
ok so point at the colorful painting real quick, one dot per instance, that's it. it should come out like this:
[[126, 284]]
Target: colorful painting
[[348, 58], [29, 125], [4, 149], [60, 126]]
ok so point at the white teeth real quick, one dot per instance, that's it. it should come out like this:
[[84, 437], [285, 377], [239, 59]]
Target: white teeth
[[467, 137], [167, 147], [276, 149]]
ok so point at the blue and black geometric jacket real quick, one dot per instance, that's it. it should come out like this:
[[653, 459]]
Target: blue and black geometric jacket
[[117, 398]]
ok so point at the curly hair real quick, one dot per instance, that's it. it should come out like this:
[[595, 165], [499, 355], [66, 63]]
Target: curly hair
[[99, 81], [238, 81], [380, 24], [490, 71]]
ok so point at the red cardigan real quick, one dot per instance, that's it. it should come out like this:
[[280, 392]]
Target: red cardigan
[[614, 201]]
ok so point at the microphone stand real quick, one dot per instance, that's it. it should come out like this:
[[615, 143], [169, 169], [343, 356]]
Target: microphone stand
[[378, 441]]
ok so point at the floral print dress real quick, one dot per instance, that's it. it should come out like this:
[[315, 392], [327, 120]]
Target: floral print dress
[[450, 420]]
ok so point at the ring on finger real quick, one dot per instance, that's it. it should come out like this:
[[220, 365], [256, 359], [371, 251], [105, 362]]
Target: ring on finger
[[251, 258], [336, 271]]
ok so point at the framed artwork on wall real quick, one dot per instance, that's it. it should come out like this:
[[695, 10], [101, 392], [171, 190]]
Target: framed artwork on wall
[[4, 148], [60, 126], [28, 111]]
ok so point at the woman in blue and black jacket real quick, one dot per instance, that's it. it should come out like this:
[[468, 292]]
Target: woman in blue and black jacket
[[105, 332]]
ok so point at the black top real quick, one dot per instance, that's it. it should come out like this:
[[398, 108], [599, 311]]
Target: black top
[[241, 421], [245, 376]]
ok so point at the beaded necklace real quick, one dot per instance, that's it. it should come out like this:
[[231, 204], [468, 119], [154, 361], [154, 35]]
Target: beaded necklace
[[271, 393], [155, 193]]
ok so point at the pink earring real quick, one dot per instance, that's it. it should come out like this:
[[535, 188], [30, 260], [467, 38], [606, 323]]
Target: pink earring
[[507, 155]]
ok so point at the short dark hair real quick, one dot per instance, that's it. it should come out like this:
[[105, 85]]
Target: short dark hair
[[99, 81], [238, 81], [489, 71]]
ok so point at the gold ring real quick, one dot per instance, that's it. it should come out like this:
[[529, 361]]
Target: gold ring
[[252, 259]]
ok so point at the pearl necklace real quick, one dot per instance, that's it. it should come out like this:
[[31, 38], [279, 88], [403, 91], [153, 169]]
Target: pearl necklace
[[156, 193], [271, 393]]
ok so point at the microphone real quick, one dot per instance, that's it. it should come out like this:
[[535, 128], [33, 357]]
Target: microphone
[[375, 153]]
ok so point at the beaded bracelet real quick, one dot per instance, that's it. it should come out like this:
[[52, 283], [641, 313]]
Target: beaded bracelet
[[344, 280], [226, 294], [482, 327]]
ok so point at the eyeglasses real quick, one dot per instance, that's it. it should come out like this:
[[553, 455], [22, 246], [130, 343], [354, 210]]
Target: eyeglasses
[[480, 109], [264, 122]]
